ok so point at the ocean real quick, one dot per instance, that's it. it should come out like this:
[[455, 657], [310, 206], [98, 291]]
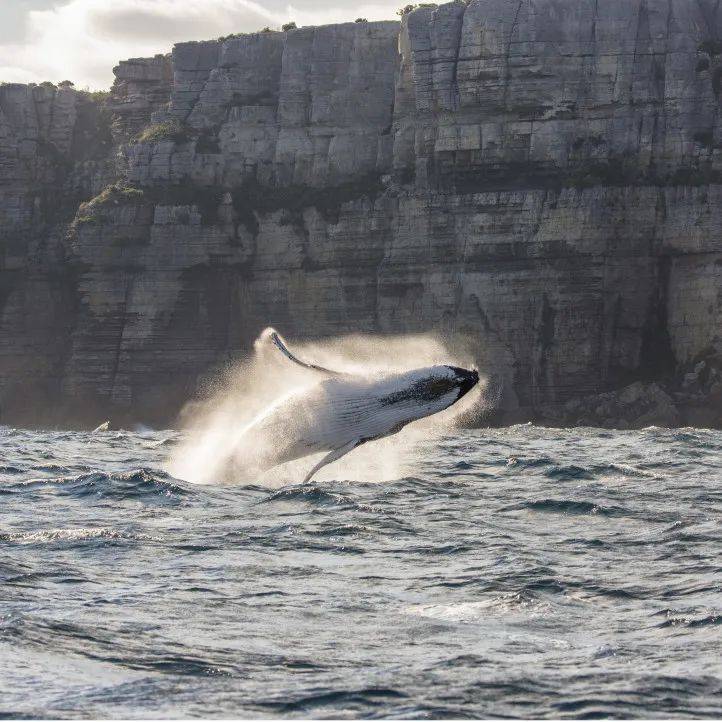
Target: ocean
[[519, 572]]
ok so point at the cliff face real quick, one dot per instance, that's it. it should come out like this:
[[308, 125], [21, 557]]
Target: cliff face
[[540, 177], [54, 145]]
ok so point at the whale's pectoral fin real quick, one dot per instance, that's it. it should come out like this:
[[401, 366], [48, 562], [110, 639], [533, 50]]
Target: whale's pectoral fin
[[278, 343], [332, 456]]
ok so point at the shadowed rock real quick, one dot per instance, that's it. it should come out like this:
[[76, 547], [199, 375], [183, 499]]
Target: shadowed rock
[[540, 179]]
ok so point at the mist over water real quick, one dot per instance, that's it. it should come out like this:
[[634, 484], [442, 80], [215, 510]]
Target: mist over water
[[517, 572], [216, 446]]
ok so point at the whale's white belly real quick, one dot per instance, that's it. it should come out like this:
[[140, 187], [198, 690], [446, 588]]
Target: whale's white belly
[[326, 417]]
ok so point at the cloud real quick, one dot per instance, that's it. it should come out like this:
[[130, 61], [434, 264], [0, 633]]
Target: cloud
[[81, 40]]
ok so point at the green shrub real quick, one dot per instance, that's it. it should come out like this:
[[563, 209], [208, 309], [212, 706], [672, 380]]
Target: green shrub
[[120, 193], [169, 130], [97, 96], [117, 194], [232, 36], [410, 8], [85, 219], [289, 26], [361, 20]]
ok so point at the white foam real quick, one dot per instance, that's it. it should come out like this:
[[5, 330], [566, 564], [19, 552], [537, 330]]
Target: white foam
[[214, 426]]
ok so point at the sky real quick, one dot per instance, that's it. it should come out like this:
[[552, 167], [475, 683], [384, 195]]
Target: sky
[[81, 40]]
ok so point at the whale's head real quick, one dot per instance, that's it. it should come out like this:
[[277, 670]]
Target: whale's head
[[427, 391], [464, 379]]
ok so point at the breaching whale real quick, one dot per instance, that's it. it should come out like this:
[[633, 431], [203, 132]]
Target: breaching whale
[[346, 410]]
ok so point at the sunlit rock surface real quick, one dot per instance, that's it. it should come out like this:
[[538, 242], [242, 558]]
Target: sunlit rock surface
[[539, 181]]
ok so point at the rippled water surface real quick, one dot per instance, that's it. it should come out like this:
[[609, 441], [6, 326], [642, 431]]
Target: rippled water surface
[[523, 572]]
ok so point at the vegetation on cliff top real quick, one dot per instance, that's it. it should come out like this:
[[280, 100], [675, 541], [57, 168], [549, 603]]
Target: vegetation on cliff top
[[433, 6], [97, 96], [410, 8], [267, 29]]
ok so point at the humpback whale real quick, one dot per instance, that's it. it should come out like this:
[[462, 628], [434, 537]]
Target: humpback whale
[[345, 410]]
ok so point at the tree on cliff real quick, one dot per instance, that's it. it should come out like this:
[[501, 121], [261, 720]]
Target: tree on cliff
[[410, 8]]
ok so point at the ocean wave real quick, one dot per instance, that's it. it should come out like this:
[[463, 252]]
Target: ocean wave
[[496, 580], [346, 699], [11, 470], [690, 622], [569, 473], [142, 484], [73, 535], [567, 506], [500, 605], [314, 495]]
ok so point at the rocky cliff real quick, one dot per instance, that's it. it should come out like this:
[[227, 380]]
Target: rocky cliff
[[542, 178]]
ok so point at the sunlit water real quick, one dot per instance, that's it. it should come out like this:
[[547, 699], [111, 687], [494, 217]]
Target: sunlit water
[[522, 572]]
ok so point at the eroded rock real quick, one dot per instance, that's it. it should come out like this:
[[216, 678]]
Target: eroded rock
[[541, 181]]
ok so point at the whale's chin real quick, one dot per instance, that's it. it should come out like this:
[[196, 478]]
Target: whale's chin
[[468, 381]]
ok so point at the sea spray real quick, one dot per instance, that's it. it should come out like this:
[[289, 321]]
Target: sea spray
[[215, 447]]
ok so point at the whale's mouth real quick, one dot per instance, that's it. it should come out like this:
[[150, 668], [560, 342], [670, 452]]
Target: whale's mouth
[[467, 381]]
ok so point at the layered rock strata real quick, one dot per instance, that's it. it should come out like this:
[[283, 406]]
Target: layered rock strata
[[539, 181]]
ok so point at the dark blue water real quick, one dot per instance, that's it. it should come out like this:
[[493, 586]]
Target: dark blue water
[[524, 572]]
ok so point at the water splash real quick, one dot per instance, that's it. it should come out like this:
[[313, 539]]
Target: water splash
[[213, 449]]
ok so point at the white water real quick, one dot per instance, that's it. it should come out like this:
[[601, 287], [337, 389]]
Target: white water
[[214, 427]]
